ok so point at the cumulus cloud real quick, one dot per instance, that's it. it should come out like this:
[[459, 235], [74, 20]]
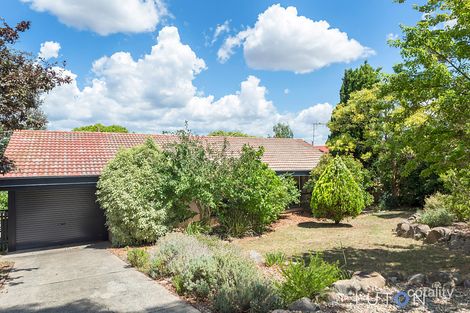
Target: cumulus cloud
[[156, 92], [103, 16], [49, 50], [283, 40], [219, 30]]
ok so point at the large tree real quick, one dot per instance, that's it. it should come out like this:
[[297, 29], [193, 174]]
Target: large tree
[[23, 80], [348, 121], [365, 76], [282, 130], [433, 84]]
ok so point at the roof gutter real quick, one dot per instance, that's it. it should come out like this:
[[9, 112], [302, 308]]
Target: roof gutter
[[19, 182]]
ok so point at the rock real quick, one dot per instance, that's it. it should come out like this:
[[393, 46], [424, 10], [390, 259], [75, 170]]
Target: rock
[[398, 276], [347, 286], [332, 296], [417, 280], [256, 257], [369, 281], [360, 281], [437, 234], [446, 279], [402, 228], [466, 283], [303, 305], [420, 231], [280, 311]]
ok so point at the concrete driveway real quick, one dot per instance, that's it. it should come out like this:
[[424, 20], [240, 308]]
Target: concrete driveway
[[82, 279]]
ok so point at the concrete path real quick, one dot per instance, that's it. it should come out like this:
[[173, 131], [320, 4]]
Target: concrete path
[[82, 279]]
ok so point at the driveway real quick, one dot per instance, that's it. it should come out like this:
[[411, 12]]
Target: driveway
[[82, 279]]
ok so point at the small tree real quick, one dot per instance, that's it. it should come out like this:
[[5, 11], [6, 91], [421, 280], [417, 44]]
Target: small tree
[[130, 192], [337, 194], [282, 130]]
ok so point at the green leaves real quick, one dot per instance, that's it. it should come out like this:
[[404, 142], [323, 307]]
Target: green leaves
[[102, 128], [337, 195], [254, 195]]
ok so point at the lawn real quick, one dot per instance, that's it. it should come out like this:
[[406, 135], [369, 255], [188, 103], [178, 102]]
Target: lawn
[[366, 243]]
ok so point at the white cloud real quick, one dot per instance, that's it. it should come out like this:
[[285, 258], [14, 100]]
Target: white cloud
[[219, 30], [286, 91], [104, 16], [283, 40], [49, 49], [450, 23], [156, 93], [392, 36]]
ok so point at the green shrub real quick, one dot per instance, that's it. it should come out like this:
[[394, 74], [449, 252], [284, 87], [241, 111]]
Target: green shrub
[[174, 251], [437, 217], [197, 228], [436, 211], [130, 194], [254, 195], [361, 175], [457, 182], [240, 287], [138, 258], [3, 200], [302, 279], [274, 258], [206, 268], [337, 195]]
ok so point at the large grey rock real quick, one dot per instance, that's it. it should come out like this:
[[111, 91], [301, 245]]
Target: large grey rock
[[438, 234], [444, 278], [303, 305], [420, 231], [347, 286], [402, 228], [417, 280], [369, 281], [360, 281]]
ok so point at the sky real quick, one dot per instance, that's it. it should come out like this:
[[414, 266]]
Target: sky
[[239, 65]]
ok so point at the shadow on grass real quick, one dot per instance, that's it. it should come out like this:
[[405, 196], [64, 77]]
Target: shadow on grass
[[409, 260], [323, 225], [392, 214]]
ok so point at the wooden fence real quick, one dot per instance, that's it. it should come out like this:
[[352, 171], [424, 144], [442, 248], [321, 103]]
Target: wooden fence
[[3, 231]]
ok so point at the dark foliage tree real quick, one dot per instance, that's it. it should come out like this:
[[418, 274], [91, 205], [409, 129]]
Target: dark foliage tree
[[23, 80]]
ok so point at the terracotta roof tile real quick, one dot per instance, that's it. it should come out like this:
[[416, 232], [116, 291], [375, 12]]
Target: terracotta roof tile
[[63, 153]]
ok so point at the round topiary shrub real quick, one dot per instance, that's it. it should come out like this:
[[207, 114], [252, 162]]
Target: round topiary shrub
[[129, 191], [337, 194]]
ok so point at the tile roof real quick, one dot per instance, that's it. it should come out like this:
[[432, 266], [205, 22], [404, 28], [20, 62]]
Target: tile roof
[[64, 153], [324, 149]]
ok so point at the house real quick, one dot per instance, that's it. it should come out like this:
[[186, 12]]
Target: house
[[52, 190]]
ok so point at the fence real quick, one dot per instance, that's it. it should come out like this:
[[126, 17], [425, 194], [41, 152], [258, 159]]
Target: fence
[[3, 231]]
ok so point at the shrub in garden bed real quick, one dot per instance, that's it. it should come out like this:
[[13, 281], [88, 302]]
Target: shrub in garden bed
[[139, 258], [307, 278], [274, 258], [206, 268]]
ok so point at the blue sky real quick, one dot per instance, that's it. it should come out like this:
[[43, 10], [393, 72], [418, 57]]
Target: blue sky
[[267, 76]]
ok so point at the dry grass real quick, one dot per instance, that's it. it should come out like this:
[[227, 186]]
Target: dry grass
[[366, 243]]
